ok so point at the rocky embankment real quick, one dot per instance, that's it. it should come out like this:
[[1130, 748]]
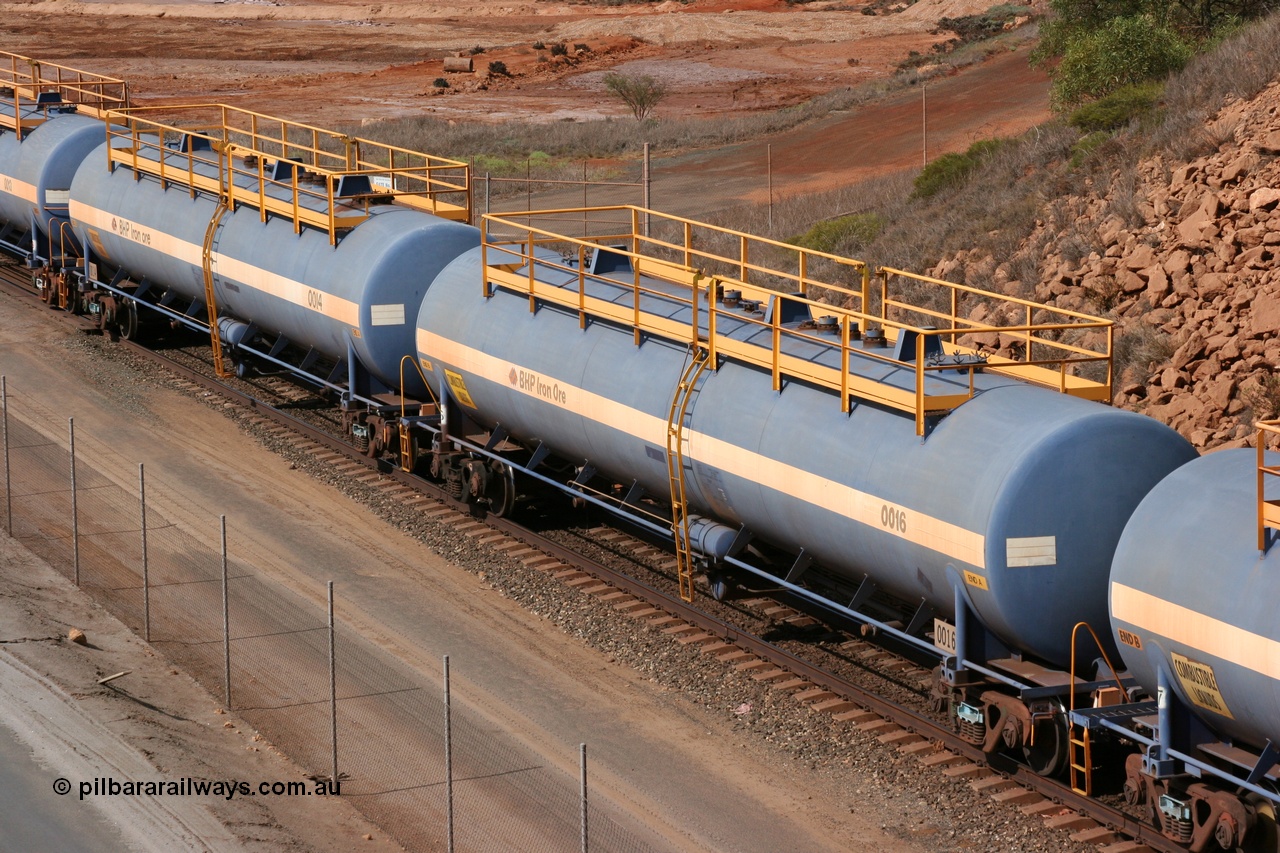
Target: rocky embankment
[[1183, 256]]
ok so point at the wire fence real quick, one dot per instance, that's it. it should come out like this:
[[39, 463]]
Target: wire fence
[[337, 704], [761, 193]]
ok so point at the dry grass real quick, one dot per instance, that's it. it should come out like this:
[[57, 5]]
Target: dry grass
[[1240, 67], [1139, 349], [1263, 397], [506, 147]]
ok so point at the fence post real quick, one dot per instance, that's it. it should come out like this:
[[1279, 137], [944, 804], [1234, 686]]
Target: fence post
[[75, 516], [146, 577], [448, 757], [582, 771], [488, 182], [226, 616], [333, 690], [8, 489]]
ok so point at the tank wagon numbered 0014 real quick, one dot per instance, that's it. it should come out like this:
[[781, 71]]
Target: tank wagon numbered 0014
[[784, 417]]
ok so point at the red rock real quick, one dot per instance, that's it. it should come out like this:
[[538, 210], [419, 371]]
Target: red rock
[[1181, 177], [1140, 258], [1177, 262], [1270, 143], [1129, 281], [1212, 284], [1190, 350], [1220, 392], [1264, 316], [1172, 379], [1239, 167], [1256, 258], [1263, 199]]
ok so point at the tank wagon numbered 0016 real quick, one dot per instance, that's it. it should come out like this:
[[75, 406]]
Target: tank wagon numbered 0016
[[785, 417]]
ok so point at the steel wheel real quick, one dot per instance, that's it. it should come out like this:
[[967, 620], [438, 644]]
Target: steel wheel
[[1265, 837], [502, 491], [127, 321], [1048, 755]]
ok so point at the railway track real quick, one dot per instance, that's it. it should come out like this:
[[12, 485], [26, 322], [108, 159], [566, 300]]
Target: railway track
[[894, 724]]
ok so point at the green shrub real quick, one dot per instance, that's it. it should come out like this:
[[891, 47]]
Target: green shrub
[[1116, 110], [1122, 52], [841, 232], [440, 83], [498, 67], [1082, 150], [951, 170]]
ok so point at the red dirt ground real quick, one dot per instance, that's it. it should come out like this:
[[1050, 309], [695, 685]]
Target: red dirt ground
[[331, 62]]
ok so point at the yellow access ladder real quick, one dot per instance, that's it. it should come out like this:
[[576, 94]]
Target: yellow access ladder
[[1080, 752], [407, 456], [206, 263], [1081, 760], [675, 468]]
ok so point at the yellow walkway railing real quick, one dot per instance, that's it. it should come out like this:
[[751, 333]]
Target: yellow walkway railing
[[705, 261], [31, 90], [1268, 511], [313, 177]]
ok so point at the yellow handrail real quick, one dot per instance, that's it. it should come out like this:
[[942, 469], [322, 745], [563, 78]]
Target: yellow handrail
[[182, 145], [26, 79], [701, 274], [1268, 511]]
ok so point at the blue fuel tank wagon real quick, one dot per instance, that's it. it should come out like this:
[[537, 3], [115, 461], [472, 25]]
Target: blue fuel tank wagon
[[1193, 599], [988, 500], [50, 119]]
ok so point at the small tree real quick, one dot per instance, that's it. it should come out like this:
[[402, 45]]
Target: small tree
[[1122, 52], [641, 93]]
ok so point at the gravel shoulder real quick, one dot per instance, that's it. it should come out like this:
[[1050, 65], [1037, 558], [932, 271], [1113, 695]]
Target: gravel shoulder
[[154, 724]]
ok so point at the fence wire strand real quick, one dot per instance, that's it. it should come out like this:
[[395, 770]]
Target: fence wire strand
[[390, 716]]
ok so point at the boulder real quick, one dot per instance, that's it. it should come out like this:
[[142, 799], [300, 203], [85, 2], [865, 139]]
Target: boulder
[[1129, 281], [1140, 258], [1265, 198], [1264, 315], [1157, 282], [1212, 284], [1270, 143], [1177, 261]]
